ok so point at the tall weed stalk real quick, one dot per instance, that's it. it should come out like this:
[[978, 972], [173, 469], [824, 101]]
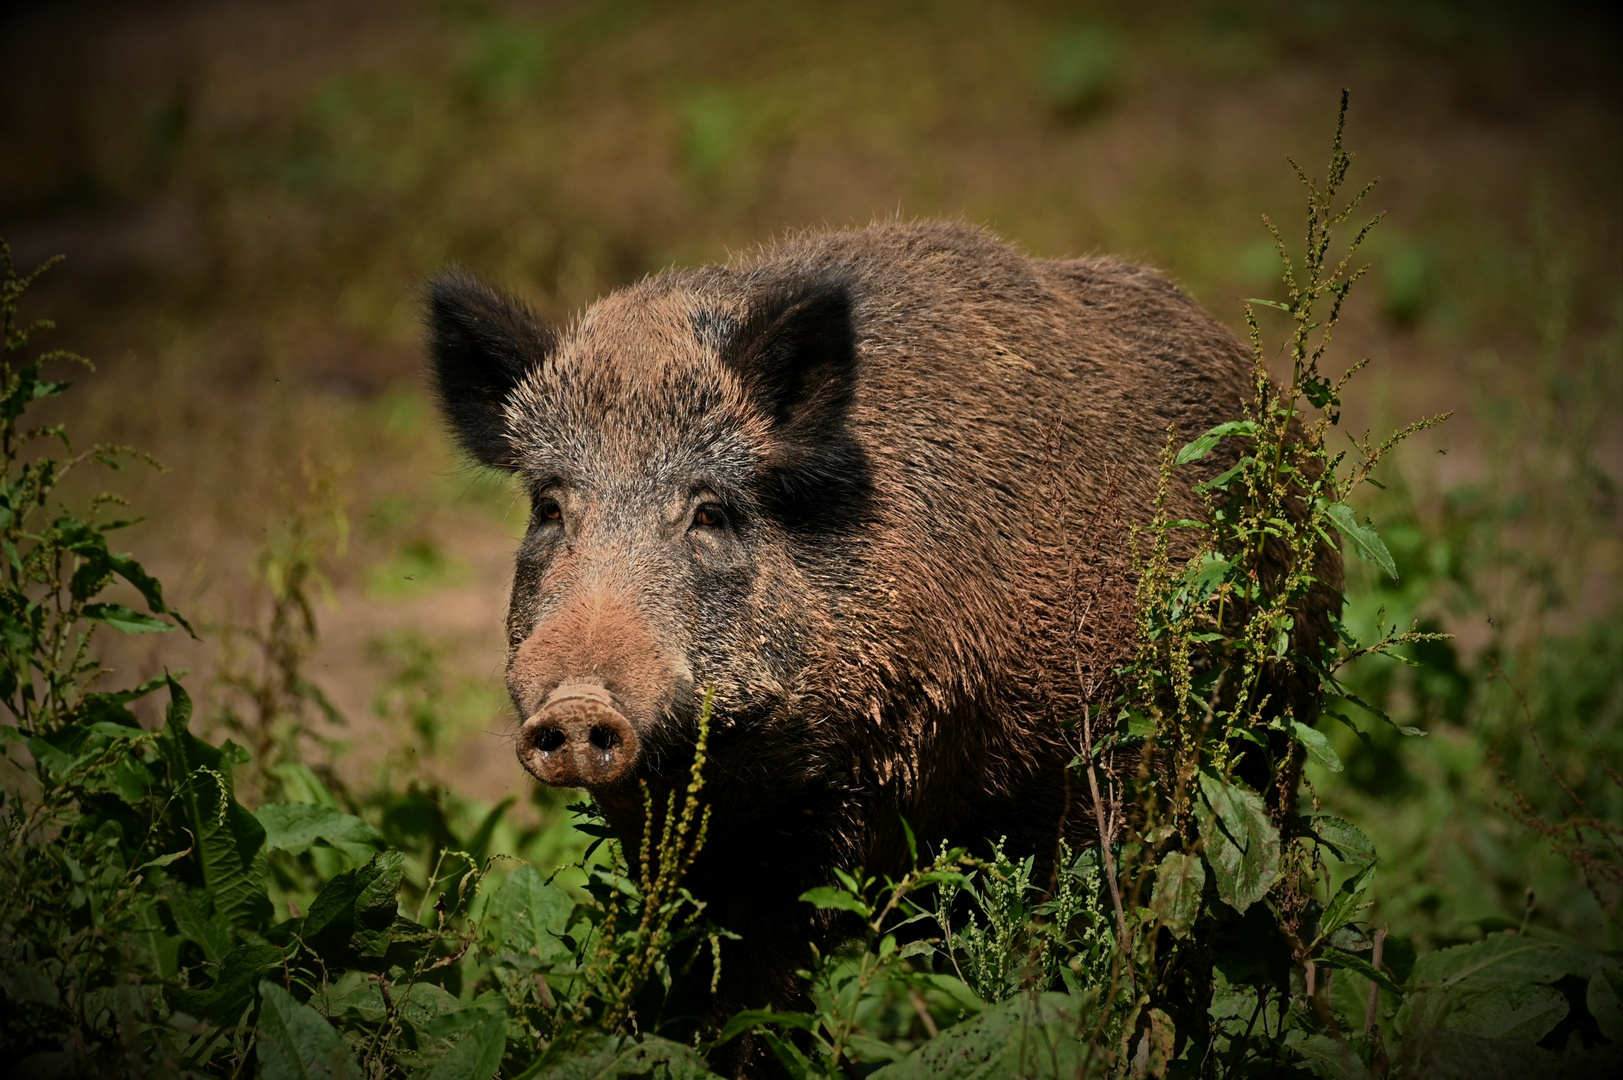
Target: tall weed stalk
[[1240, 652]]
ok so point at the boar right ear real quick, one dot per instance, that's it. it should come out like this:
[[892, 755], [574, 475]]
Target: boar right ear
[[797, 353], [481, 343]]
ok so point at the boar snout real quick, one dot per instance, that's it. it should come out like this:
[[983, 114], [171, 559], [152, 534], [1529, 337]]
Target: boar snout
[[578, 739], [595, 681]]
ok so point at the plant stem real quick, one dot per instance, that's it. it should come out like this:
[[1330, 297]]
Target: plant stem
[[1104, 835]]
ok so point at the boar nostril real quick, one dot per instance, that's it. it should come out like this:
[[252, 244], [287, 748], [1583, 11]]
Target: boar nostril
[[578, 739]]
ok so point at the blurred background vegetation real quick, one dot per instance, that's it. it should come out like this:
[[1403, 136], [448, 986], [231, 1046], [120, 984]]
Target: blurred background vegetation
[[249, 194]]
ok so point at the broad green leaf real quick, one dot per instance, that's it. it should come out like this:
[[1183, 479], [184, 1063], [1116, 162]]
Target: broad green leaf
[[355, 911], [1240, 842], [152, 946], [916, 948], [131, 779], [150, 588], [1179, 882], [827, 896], [1495, 986], [476, 1056], [1345, 904], [1221, 481], [1139, 726], [1501, 960], [1027, 1036], [99, 564], [1365, 540], [1317, 745], [55, 761], [1213, 570], [294, 827], [229, 844], [600, 1056], [354, 992], [426, 1002], [1525, 1012], [112, 707], [454, 1018], [1345, 840], [125, 620], [1605, 1001], [210, 932], [1202, 446], [332, 914], [301, 784], [532, 915], [233, 986], [1334, 1058], [377, 907], [752, 1019], [296, 1042], [422, 1004], [1320, 391], [1353, 962]]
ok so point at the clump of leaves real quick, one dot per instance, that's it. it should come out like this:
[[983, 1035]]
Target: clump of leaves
[[1240, 649], [58, 563], [73, 864], [152, 924], [877, 998], [604, 973]]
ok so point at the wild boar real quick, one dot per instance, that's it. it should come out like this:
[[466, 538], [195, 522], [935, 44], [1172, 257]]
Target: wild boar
[[874, 488]]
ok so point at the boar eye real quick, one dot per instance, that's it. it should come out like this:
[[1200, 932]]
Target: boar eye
[[708, 516], [549, 510]]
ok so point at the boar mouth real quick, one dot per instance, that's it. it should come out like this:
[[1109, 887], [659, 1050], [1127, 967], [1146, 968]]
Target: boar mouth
[[578, 739]]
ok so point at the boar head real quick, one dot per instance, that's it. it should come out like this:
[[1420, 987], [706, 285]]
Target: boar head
[[687, 452]]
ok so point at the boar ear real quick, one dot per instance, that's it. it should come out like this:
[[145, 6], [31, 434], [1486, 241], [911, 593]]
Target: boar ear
[[797, 353], [481, 342]]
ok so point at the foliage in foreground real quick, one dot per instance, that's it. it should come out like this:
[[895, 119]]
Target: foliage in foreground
[[153, 922]]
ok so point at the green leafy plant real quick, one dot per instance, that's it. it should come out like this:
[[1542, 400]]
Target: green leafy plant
[[75, 915], [152, 924]]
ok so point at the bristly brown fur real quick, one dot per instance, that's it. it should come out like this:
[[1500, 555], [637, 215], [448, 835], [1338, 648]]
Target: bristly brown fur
[[930, 450]]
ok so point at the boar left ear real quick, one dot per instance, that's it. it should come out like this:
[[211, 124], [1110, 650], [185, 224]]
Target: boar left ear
[[481, 342], [797, 352]]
